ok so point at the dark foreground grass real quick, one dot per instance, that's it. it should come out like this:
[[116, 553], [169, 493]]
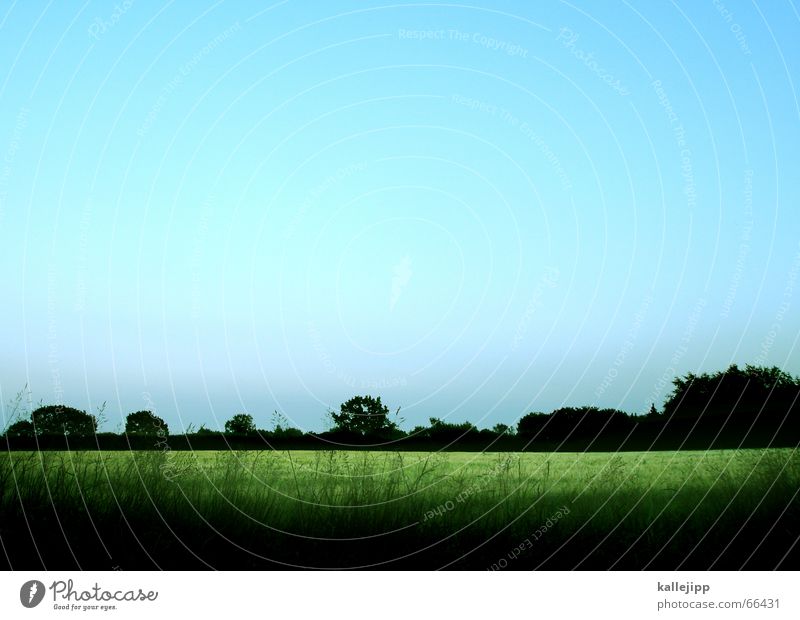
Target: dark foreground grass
[[248, 510]]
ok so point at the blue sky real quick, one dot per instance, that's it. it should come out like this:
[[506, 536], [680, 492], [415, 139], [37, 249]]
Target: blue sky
[[474, 211]]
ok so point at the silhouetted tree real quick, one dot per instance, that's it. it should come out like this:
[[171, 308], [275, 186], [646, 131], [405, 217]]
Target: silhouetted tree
[[240, 424], [285, 433], [20, 428], [205, 431], [573, 422], [365, 416], [145, 423], [750, 391], [282, 430], [440, 430], [419, 432], [503, 429], [532, 423], [60, 420]]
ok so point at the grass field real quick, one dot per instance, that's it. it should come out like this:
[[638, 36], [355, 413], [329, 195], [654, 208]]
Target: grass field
[[338, 509]]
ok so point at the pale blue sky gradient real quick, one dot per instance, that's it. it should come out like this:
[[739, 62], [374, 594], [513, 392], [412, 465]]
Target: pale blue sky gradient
[[207, 208]]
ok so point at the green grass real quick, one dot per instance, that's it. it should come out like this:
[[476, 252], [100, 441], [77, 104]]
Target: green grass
[[339, 509]]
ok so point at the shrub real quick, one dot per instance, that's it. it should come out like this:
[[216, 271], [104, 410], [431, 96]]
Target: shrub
[[240, 424], [735, 391], [20, 428], [364, 416], [145, 423], [60, 420]]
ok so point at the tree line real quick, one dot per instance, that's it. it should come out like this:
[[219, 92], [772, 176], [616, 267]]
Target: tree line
[[733, 404]]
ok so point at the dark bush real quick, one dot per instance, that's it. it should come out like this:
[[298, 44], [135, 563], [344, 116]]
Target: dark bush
[[145, 423], [20, 428], [365, 416], [60, 420], [748, 393], [240, 424], [449, 431], [573, 423]]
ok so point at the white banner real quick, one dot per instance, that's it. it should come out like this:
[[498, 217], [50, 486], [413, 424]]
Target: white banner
[[401, 595]]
